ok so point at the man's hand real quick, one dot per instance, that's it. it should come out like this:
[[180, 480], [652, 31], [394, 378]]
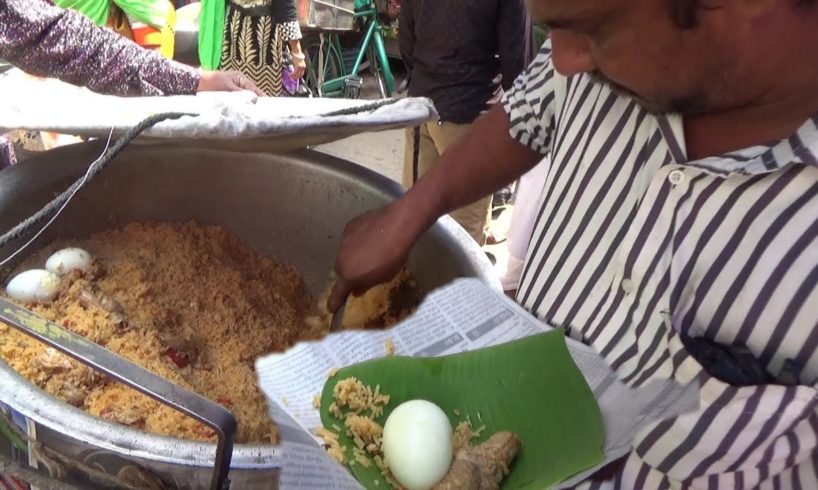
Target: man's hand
[[374, 248], [226, 81], [376, 245]]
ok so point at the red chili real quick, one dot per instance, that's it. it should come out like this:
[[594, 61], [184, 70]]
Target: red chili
[[204, 431], [179, 358], [225, 401]]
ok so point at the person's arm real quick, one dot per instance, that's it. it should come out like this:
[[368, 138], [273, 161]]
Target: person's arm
[[299, 58], [291, 31], [502, 145], [406, 34], [47, 41], [511, 30]]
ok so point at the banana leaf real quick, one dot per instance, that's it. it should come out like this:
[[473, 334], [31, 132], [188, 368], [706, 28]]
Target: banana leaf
[[530, 386]]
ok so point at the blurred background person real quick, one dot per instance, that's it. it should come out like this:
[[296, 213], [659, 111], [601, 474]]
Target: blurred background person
[[149, 23], [259, 38], [461, 54]]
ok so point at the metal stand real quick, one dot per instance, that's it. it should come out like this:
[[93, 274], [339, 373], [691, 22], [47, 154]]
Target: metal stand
[[92, 355]]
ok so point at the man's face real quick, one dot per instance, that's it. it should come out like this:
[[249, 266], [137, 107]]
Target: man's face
[[639, 48]]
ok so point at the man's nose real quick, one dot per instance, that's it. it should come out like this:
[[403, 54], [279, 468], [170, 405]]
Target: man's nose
[[570, 53]]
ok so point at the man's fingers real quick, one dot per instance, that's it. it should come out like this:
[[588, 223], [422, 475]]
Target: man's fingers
[[338, 296]]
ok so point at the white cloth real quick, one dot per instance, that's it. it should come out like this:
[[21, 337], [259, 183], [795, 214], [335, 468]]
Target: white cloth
[[523, 217], [230, 120]]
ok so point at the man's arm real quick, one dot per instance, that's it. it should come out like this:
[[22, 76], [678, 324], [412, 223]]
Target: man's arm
[[47, 41], [511, 29], [375, 245], [501, 146], [406, 34]]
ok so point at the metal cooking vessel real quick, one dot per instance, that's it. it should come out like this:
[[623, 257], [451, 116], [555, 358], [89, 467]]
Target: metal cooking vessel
[[293, 207]]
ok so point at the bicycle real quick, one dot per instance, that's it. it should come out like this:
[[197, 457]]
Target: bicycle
[[327, 74]]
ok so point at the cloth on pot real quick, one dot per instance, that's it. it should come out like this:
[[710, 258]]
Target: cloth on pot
[[227, 120]]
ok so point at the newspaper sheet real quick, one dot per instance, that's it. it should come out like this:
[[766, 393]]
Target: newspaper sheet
[[462, 316]]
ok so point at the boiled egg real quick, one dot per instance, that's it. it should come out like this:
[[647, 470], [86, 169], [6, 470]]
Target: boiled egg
[[34, 286], [417, 444], [67, 260]]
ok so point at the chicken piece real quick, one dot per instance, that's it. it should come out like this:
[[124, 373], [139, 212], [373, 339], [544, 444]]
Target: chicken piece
[[52, 361], [116, 313], [483, 467], [383, 305], [131, 416], [180, 340], [69, 383], [73, 395]]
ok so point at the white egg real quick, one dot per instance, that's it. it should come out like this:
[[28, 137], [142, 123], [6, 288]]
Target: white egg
[[67, 260], [34, 286], [417, 444]]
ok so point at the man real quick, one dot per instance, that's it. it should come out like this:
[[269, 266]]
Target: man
[[677, 229], [459, 53]]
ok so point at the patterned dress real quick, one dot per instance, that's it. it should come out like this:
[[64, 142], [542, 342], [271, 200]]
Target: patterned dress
[[255, 34]]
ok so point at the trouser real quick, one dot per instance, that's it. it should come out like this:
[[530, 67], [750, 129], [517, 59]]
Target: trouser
[[434, 139]]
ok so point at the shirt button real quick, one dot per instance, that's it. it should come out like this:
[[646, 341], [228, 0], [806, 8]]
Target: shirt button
[[627, 286], [676, 177]]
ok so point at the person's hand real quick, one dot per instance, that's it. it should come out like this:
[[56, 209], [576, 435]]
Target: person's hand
[[299, 66], [226, 81], [374, 248]]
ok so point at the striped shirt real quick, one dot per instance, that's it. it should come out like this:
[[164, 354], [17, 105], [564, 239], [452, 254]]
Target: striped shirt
[[634, 245]]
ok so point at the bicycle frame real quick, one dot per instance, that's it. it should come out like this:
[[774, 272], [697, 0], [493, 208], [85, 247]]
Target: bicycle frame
[[372, 34]]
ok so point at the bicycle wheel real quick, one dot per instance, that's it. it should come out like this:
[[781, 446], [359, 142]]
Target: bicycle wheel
[[332, 66], [376, 70]]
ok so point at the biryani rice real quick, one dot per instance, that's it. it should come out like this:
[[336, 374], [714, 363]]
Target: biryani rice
[[197, 308]]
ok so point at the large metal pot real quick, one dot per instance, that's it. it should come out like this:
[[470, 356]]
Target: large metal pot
[[293, 207]]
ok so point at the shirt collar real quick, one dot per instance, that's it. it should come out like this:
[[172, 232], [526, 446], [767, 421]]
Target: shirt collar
[[800, 148]]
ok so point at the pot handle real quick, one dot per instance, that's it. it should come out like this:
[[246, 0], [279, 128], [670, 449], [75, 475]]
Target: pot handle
[[209, 413]]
